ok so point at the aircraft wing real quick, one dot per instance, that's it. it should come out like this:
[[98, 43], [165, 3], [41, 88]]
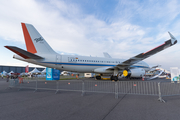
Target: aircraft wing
[[23, 53], [142, 56]]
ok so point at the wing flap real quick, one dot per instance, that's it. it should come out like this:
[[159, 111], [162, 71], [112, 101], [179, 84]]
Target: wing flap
[[23, 53]]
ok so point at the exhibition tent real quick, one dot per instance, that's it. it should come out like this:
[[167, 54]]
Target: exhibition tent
[[11, 72], [4, 73], [34, 71], [44, 71], [24, 73]]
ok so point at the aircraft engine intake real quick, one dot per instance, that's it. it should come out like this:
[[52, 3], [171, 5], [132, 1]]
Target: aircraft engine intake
[[134, 73]]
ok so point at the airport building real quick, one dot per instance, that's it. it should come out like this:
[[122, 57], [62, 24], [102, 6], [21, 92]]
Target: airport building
[[17, 69]]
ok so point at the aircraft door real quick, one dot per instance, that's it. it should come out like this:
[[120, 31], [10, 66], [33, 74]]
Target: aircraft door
[[58, 60]]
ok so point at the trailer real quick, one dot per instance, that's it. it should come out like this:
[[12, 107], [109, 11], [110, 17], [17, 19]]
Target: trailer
[[89, 75]]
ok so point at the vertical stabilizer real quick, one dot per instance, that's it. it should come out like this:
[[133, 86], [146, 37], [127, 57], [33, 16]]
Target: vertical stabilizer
[[106, 55], [35, 43]]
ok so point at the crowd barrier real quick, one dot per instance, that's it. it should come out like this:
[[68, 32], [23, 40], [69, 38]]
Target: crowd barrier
[[168, 88], [154, 88]]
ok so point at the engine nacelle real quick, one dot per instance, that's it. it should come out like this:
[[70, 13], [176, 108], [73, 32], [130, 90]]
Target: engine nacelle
[[103, 70], [137, 72]]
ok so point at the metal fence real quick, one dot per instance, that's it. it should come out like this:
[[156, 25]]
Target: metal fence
[[168, 88], [138, 87], [13, 82], [160, 89]]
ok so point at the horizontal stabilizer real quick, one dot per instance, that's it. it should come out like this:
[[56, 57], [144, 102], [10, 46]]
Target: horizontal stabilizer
[[23, 53]]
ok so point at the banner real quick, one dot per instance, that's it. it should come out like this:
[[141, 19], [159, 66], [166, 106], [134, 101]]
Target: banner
[[52, 74], [174, 74], [27, 69]]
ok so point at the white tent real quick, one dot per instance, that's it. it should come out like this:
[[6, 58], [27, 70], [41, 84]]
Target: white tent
[[4, 73], [24, 73], [44, 71], [11, 72], [41, 76], [35, 71]]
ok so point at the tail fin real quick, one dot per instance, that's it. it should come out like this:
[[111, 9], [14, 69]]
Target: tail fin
[[35, 43], [106, 55]]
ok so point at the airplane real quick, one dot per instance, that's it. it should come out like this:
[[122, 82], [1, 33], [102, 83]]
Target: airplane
[[39, 52]]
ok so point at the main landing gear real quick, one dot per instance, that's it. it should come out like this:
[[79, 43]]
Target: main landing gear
[[112, 77], [98, 77], [115, 78]]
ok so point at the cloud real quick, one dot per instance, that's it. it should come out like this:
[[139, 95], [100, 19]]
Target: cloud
[[135, 26]]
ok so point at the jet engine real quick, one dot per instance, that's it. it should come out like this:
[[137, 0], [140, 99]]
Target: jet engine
[[134, 73], [103, 70]]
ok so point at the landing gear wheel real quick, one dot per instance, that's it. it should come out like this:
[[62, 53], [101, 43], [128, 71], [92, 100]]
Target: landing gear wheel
[[112, 78], [115, 78], [98, 77]]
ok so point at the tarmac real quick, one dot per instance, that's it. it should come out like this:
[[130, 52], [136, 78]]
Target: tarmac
[[69, 105]]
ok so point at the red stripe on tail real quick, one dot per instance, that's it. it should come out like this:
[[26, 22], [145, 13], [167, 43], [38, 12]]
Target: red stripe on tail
[[29, 43]]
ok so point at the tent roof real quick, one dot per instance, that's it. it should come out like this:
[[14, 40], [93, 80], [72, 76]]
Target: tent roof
[[35, 70], [44, 71], [11, 72], [24, 73]]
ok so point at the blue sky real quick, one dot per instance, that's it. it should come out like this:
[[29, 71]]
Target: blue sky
[[90, 27]]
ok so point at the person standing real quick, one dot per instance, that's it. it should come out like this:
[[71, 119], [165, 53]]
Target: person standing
[[77, 76], [7, 78]]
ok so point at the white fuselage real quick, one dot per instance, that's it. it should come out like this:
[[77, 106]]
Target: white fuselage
[[80, 63]]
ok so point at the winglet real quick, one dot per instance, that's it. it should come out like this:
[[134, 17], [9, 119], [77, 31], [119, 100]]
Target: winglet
[[173, 39]]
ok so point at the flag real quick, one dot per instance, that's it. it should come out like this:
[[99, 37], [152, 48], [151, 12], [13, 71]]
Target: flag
[[27, 69]]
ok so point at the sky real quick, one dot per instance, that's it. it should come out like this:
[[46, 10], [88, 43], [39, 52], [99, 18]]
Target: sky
[[123, 28]]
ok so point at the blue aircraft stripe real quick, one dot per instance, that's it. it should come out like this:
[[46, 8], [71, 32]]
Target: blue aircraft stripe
[[83, 64], [79, 64], [139, 66]]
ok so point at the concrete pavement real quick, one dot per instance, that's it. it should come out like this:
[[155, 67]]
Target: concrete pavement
[[45, 105]]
